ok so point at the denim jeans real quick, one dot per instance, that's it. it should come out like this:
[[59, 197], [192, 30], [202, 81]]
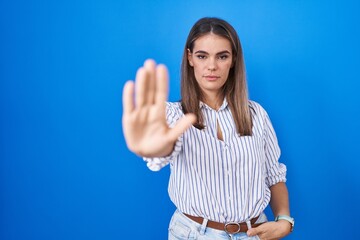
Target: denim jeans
[[181, 228]]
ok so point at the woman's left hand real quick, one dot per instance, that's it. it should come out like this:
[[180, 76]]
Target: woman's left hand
[[271, 230]]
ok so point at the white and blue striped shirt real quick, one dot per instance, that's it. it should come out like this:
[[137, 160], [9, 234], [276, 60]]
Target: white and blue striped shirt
[[223, 181]]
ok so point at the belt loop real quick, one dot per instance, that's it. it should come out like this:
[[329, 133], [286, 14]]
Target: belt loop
[[203, 226], [248, 223]]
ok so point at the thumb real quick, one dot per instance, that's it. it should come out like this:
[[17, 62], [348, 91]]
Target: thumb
[[253, 232], [182, 125]]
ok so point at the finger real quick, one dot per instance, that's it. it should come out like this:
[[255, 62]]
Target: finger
[[254, 231], [161, 84], [140, 87], [128, 97], [181, 126], [251, 232], [266, 235], [150, 67]]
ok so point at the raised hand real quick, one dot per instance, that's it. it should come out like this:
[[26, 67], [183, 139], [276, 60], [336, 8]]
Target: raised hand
[[144, 118]]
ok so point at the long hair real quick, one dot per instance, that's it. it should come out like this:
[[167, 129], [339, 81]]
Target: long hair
[[234, 90]]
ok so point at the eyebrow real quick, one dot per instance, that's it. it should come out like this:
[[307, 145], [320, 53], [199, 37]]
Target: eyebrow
[[219, 53]]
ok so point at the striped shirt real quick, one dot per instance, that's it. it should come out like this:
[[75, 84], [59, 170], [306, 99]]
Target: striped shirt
[[223, 181]]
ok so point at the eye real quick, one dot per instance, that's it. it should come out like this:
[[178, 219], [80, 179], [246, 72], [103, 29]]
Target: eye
[[223, 57], [201, 56]]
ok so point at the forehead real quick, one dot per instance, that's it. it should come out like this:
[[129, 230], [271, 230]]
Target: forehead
[[212, 43]]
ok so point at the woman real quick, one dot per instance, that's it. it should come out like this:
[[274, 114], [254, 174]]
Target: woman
[[221, 147]]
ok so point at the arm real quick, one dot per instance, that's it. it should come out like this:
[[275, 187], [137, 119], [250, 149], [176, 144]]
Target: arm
[[279, 199], [280, 206], [275, 180], [279, 203]]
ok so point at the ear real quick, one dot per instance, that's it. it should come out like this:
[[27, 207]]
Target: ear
[[189, 57]]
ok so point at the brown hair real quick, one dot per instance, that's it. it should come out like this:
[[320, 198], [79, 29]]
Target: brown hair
[[235, 88]]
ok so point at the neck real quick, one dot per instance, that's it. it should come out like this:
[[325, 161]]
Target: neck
[[213, 100]]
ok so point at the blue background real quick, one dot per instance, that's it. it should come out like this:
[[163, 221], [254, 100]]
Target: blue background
[[65, 172]]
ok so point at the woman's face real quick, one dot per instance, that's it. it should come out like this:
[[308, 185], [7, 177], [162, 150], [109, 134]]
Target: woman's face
[[211, 59]]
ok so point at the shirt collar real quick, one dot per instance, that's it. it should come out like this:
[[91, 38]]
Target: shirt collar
[[222, 107]]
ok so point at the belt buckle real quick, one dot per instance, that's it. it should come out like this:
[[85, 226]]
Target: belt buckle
[[232, 224]]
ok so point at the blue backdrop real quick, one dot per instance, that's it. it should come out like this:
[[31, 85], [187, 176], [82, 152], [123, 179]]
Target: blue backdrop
[[65, 171]]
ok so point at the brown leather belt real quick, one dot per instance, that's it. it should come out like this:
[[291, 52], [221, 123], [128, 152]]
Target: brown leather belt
[[230, 227]]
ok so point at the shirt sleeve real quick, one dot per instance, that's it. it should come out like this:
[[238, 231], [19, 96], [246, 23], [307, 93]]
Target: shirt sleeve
[[172, 116], [275, 171]]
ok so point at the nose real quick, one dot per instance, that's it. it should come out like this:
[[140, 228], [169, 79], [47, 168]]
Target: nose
[[212, 64]]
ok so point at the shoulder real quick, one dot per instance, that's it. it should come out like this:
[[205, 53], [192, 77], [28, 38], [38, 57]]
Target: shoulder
[[173, 107], [173, 104], [257, 109], [173, 112], [260, 117]]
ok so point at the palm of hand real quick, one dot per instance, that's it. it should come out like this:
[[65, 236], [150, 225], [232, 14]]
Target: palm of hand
[[144, 122], [146, 130]]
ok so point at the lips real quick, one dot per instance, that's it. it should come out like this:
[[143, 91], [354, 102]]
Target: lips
[[211, 77]]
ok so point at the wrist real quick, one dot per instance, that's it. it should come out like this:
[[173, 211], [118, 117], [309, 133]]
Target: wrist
[[286, 219], [284, 227]]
